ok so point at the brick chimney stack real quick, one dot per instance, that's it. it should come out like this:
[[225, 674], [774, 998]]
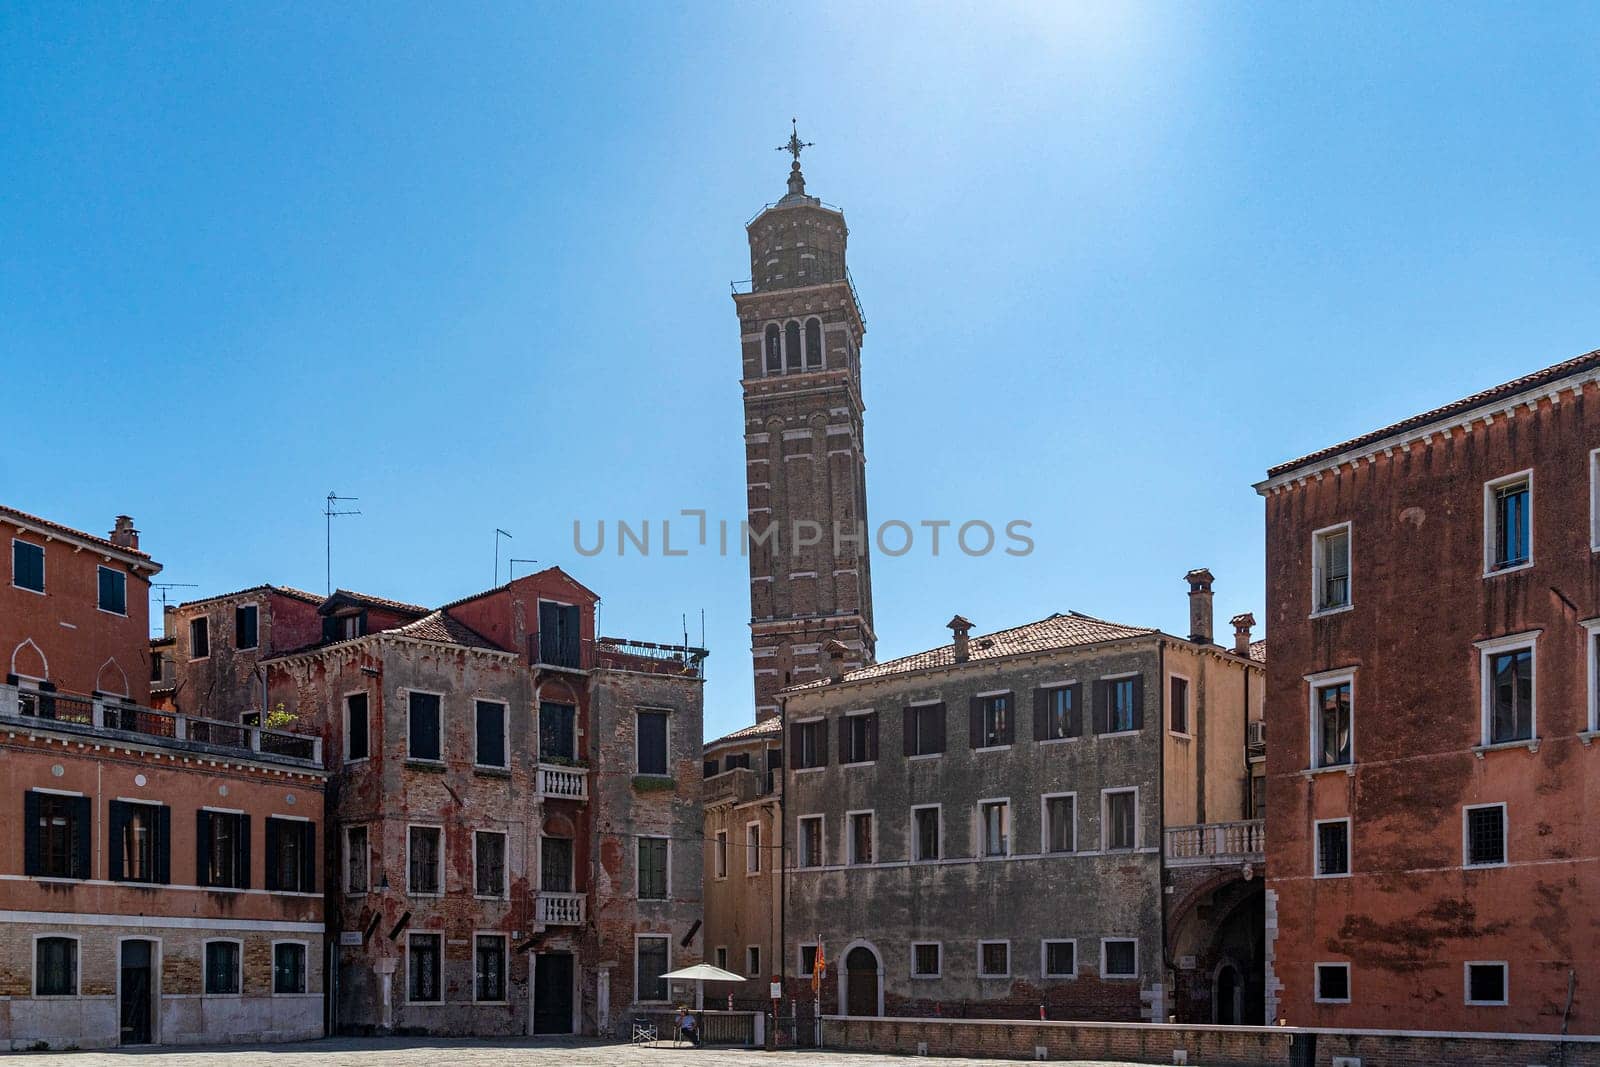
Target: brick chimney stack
[[961, 628], [1200, 581], [1241, 632], [123, 535], [836, 651]]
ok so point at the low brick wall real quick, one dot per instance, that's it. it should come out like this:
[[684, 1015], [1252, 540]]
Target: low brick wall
[[1211, 1046]]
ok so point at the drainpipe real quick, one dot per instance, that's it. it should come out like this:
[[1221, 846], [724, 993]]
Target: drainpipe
[[1161, 843], [783, 853]]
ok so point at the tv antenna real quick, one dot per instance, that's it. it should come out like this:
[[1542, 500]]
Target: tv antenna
[[164, 586], [498, 533], [511, 566], [330, 512]]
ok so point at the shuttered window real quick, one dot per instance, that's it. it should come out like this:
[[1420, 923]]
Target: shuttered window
[[555, 864], [1121, 705], [199, 638], [809, 743], [139, 848], [651, 735], [27, 565], [491, 724], [490, 857], [991, 720], [652, 868], [923, 730], [424, 876], [291, 856], [556, 739], [56, 835], [422, 727], [858, 738], [222, 843], [1055, 713], [113, 590]]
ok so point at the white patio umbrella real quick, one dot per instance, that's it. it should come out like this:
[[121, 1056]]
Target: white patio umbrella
[[700, 974]]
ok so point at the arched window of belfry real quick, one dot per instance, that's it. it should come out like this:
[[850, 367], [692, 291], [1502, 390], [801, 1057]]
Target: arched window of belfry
[[813, 344], [774, 350], [791, 344]]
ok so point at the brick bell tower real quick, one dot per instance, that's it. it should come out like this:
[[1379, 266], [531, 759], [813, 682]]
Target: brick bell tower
[[801, 327]]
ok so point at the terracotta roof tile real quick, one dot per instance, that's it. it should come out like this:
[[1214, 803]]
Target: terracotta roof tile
[[1258, 650], [773, 725], [437, 626], [284, 590], [378, 602], [35, 520]]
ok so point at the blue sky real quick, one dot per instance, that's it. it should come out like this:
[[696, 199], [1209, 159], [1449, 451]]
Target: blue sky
[[1116, 261]]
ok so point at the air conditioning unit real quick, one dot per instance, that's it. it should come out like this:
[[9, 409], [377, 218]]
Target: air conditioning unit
[[1256, 733]]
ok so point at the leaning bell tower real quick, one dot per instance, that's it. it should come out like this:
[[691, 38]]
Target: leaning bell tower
[[800, 330]]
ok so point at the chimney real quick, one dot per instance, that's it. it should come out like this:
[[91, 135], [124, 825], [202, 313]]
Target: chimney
[[961, 628], [123, 535], [1241, 632], [1199, 581], [836, 650]]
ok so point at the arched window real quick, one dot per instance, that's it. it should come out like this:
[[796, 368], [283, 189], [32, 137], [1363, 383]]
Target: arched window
[[774, 350], [813, 343], [791, 343]]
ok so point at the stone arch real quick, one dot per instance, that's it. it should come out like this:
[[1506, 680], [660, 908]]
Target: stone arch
[[1219, 924], [36, 665], [112, 679], [858, 946]]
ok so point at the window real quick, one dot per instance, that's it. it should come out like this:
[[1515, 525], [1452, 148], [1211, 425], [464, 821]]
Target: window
[[925, 833], [199, 638], [1593, 627], [555, 864], [861, 837], [1333, 983], [223, 849], [810, 841], [809, 743], [344, 626], [113, 591], [1333, 848], [1059, 959], [752, 848], [139, 844], [808, 960], [1060, 823], [1123, 704], [246, 626], [424, 860], [1508, 669], [423, 953], [422, 727], [291, 856], [813, 344], [719, 854], [55, 966], [722, 957], [925, 962], [994, 959], [653, 868], [1055, 713], [994, 818], [1330, 569], [752, 960], [1485, 835], [1121, 820], [1179, 701], [651, 734], [1508, 522], [991, 720], [1332, 722], [27, 565], [774, 349], [1486, 983], [710, 769], [288, 967], [1594, 499], [356, 859], [560, 634], [356, 737], [489, 863], [924, 729], [557, 739], [791, 346], [222, 968], [489, 968], [858, 738], [1119, 958], [650, 963], [491, 724]]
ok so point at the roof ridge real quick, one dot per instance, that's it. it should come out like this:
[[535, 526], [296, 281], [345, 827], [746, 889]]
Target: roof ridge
[[74, 531]]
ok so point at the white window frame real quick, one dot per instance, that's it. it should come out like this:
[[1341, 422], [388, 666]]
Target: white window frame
[[44, 562], [982, 944], [822, 752], [752, 972], [255, 607], [638, 869], [1594, 501], [666, 739], [344, 873], [122, 574], [913, 839], [441, 865], [1489, 518], [305, 971], [1044, 958], [1315, 683], [1044, 823], [983, 726], [205, 968], [981, 829], [1318, 608], [1106, 974], [412, 935], [844, 724], [755, 852], [1077, 710], [938, 971], [1487, 650], [1466, 984], [77, 970], [850, 857], [1591, 629], [505, 959], [1466, 836], [822, 842], [505, 868], [409, 758], [800, 958], [505, 735], [916, 707], [638, 937], [1349, 847], [1188, 705], [1316, 983], [1105, 819], [344, 702], [719, 856], [204, 620]]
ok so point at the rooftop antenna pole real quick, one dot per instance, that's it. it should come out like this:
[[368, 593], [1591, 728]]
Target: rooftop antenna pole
[[330, 512], [498, 533], [164, 586], [511, 566]]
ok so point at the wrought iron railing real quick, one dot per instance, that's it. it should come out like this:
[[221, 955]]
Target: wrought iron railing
[[1216, 842], [559, 648], [625, 653]]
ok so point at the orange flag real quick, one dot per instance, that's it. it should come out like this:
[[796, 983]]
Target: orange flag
[[818, 970]]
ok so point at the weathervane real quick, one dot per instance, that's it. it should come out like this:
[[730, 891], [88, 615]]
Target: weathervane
[[794, 146]]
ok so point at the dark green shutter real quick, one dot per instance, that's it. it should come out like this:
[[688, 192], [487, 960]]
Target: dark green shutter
[[243, 881], [1075, 714], [308, 860], [30, 833], [117, 827], [1138, 702], [822, 743], [274, 847], [202, 847], [1102, 707], [163, 845], [1041, 714], [82, 836], [938, 726], [872, 736], [908, 731], [975, 722]]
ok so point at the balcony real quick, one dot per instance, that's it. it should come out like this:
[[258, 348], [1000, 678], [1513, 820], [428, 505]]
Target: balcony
[[733, 786], [648, 657], [114, 720], [561, 909], [560, 649], [562, 783], [1221, 844]]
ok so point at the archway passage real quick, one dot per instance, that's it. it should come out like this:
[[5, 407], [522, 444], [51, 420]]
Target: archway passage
[[861, 982], [1226, 1003], [1218, 949]]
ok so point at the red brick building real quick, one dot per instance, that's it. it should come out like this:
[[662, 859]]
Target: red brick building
[[1431, 716]]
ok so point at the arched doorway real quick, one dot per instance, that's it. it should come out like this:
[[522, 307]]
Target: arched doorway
[[1227, 998], [1217, 943], [863, 981]]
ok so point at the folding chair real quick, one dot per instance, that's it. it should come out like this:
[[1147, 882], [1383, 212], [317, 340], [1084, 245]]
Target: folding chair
[[644, 1031]]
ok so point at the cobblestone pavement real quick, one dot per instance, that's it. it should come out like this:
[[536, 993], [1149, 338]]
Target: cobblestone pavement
[[433, 1052]]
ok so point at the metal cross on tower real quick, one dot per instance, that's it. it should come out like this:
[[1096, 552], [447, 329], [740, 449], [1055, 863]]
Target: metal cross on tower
[[795, 145]]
